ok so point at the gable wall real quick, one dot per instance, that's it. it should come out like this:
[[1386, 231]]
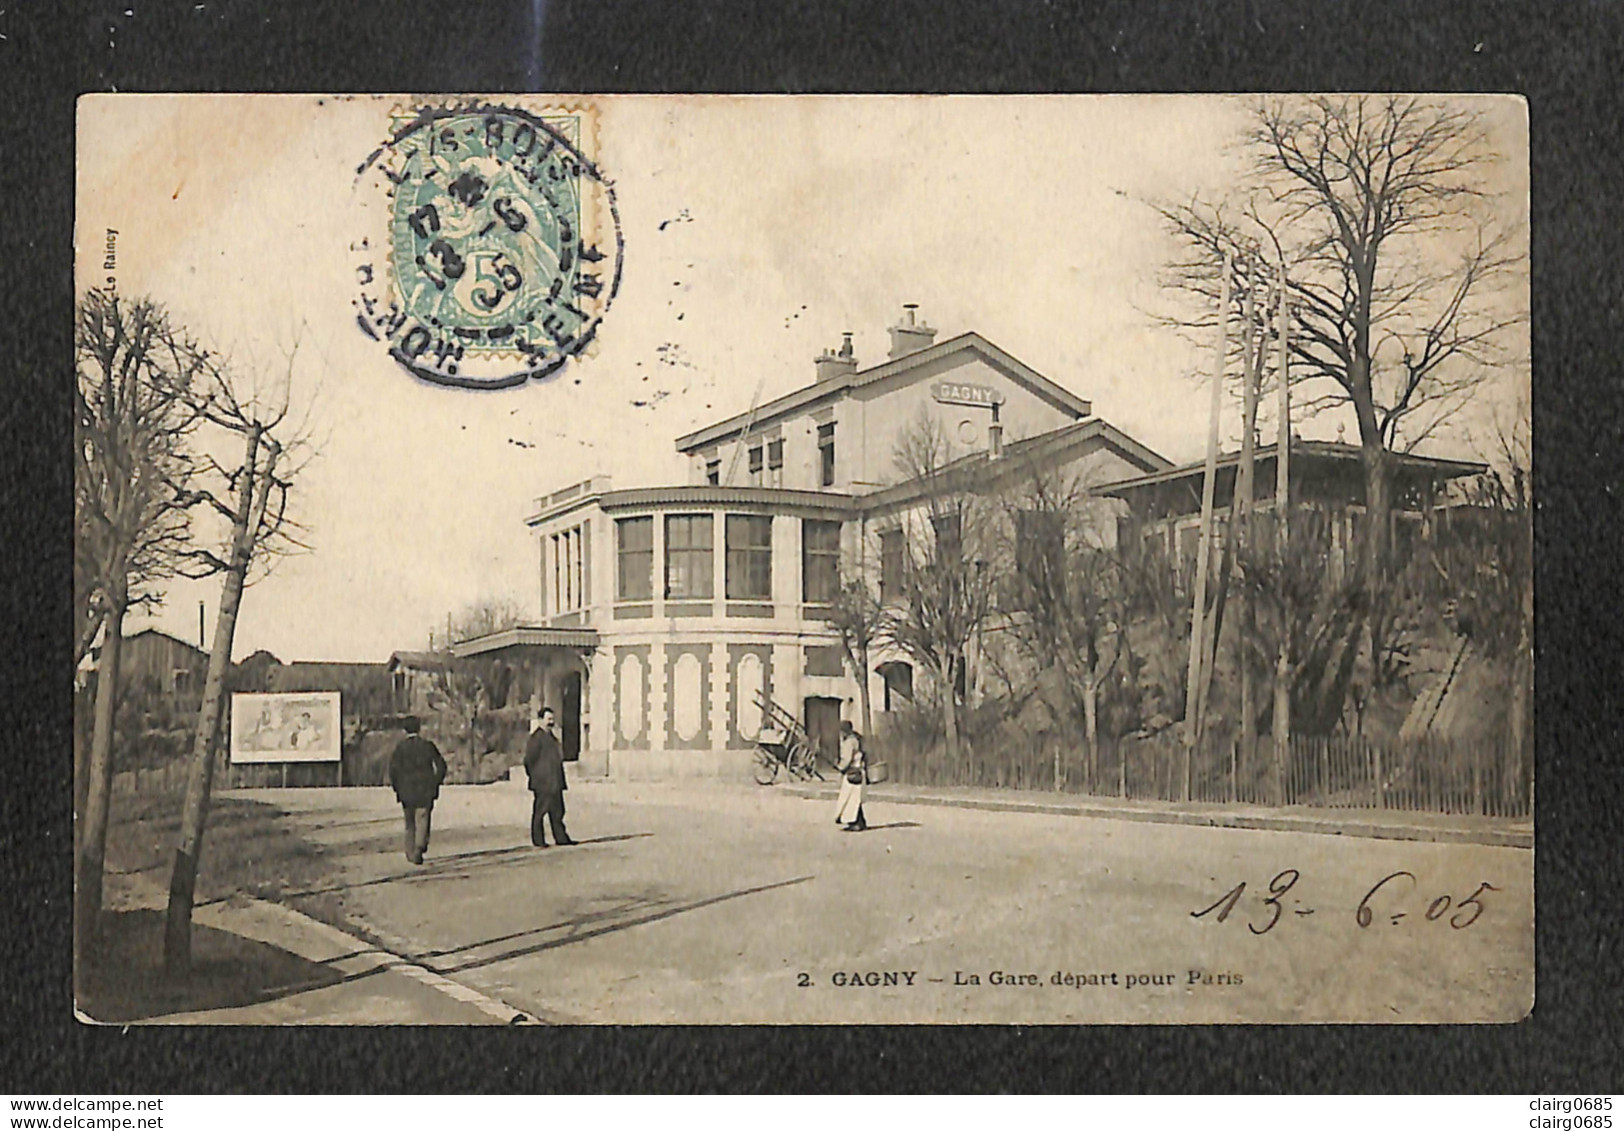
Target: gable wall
[[868, 420], [879, 413]]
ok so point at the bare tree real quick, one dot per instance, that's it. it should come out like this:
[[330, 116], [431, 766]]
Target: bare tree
[[465, 688], [946, 588], [249, 494], [857, 616], [1297, 600], [1065, 599], [1156, 594], [480, 618], [1480, 567], [1395, 261], [134, 376]]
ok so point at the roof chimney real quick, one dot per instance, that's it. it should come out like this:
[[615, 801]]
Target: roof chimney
[[831, 364], [910, 335]]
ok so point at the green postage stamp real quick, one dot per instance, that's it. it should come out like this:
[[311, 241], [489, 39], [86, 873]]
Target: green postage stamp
[[502, 250]]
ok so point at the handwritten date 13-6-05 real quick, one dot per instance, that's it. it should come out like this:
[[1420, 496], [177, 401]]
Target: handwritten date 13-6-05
[[1393, 899]]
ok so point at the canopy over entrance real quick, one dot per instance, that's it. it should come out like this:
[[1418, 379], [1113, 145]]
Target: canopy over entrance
[[549, 668]]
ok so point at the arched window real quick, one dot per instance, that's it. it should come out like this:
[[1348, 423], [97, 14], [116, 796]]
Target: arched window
[[898, 677]]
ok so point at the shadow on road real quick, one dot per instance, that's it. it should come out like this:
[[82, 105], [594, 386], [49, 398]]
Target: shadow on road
[[894, 825], [641, 909], [457, 865]]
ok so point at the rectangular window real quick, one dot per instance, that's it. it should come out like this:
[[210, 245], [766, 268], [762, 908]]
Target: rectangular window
[[775, 463], [634, 539], [1040, 547], [824, 659], [820, 561], [826, 454], [755, 467], [689, 567], [568, 548], [898, 676], [749, 557], [891, 563], [1126, 529], [1189, 543], [949, 536], [713, 472]]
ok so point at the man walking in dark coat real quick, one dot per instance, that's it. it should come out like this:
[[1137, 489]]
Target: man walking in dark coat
[[544, 764], [416, 770]]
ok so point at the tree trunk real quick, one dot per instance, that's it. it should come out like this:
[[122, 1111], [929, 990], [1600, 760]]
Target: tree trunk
[[1091, 725], [92, 841], [1374, 556], [200, 783], [950, 713], [861, 663], [1515, 770], [1282, 718], [253, 492]]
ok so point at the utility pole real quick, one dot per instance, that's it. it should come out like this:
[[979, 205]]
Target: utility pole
[[1240, 514], [1192, 710], [1281, 725]]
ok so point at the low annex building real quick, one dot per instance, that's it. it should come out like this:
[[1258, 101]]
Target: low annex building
[[667, 612]]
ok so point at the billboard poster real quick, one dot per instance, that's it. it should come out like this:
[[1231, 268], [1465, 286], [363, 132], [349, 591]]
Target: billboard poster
[[289, 726]]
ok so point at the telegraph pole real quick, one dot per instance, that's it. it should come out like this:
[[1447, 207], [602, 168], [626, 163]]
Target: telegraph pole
[[1240, 512], [1282, 505], [1192, 710]]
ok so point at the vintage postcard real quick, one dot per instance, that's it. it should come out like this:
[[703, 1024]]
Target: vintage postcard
[[612, 559]]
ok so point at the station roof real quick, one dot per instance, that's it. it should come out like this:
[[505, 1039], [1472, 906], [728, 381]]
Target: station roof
[[830, 389], [703, 494]]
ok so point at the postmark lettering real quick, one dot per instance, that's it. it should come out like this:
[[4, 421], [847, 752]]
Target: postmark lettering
[[498, 248]]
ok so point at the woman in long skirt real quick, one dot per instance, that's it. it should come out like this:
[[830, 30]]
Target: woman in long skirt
[[849, 809]]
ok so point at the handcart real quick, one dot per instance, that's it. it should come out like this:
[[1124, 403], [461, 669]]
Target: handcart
[[783, 745]]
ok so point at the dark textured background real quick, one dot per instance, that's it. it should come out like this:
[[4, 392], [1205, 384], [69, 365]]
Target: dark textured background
[[1567, 58]]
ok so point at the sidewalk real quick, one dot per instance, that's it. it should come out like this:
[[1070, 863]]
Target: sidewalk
[[1384, 824], [262, 963]]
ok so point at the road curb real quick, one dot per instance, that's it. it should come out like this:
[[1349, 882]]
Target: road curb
[[365, 953], [1268, 822]]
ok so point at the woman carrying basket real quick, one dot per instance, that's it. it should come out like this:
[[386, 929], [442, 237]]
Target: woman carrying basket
[[853, 767]]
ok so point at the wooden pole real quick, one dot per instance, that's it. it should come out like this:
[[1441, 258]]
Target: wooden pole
[[1192, 707], [1282, 505], [1241, 514]]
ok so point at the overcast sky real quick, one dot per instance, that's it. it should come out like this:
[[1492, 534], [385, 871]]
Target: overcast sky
[[756, 231]]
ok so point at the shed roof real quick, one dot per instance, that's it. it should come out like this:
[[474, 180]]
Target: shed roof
[[427, 661], [322, 675], [173, 639], [1417, 465]]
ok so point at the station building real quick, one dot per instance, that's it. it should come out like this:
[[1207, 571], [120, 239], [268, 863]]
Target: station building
[[668, 611]]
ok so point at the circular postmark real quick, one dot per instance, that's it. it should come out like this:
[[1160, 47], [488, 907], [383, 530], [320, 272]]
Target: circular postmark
[[498, 251]]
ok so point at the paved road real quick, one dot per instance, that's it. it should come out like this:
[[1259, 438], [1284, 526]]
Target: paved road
[[717, 904]]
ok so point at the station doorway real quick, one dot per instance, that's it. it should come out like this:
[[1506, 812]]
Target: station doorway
[[822, 720], [569, 715]]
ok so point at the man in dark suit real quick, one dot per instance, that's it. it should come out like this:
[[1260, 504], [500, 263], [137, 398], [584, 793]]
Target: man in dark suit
[[544, 764], [416, 770]]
